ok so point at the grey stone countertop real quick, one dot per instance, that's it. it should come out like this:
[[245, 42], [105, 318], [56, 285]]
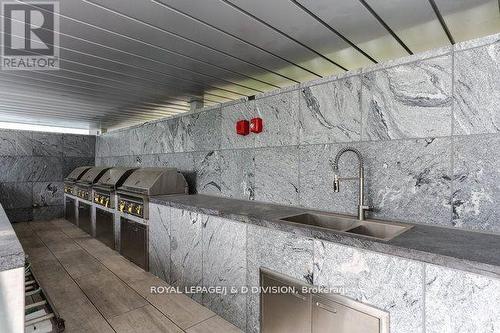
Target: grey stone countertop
[[11, 251], [454, 248]]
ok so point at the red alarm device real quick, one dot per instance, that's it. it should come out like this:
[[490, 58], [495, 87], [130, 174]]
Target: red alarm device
[[256, 125], [243, 127]]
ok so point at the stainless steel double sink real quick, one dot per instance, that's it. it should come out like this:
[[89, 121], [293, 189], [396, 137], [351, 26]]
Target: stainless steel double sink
[[376, 229]]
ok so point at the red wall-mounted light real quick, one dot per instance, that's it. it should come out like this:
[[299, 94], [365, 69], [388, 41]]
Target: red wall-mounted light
[[243, 127], [256, 125]]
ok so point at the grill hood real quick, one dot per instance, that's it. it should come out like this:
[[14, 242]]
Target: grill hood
[[114, 178], [77, 173], [155, 181], [91, 176]]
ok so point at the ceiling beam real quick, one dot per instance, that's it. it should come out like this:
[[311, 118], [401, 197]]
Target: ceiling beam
[[335, 31], [385, 25], [442, 22]]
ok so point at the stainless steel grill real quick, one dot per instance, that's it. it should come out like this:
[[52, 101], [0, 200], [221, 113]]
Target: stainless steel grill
[[104, 199], [133, 195], [133, 203], [104, 189], [84, 184], [75, 175]]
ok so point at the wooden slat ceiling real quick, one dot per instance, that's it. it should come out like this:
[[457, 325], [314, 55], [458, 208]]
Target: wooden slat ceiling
[[129, 61]]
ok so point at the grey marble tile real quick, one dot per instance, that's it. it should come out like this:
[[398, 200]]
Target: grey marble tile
[[20, 214], [280, 114], [16, 195], [15, 143], [316, 179], [16, 168], [100, 161], [477, 82], [117, 143], [277, 175], [181, 131], [186, 249], [48, 194], [408, 101], [159, 241], [331, 112], [230, 116], [460, 302], [71, 163], [238, 173], [151, 138], [48, 213], [47, 144], [476, 183], [150, 161], [101, 146], [224, 264], [386, 282], [410, 180], [112, 161], [206, 130], [281, 252], [78, 145], [208, 172], [137, 137], [47, 169], [136, 161]]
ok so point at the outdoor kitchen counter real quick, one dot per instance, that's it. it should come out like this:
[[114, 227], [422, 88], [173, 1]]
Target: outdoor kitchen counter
[[11, 251], [454, 248]]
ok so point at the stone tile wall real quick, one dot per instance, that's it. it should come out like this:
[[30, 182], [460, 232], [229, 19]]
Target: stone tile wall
[[33, 166], [428, 126]]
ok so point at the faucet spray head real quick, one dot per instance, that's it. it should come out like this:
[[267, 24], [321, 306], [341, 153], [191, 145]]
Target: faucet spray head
[[336, 184]]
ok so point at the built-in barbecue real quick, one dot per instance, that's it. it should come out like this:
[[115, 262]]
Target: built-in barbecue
[[69, 192], [85, 183], [73, 177], [133, 205], [104, 190], [104, 202], [84, 193]]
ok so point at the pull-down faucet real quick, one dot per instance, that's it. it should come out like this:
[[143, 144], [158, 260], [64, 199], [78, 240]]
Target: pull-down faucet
[[362, 208]]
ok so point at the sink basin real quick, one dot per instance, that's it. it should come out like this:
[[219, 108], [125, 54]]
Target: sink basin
[[335, 222], [379, 230], [382, 230]]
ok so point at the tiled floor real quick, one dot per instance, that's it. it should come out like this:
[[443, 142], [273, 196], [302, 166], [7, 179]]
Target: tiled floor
[[96, 290]]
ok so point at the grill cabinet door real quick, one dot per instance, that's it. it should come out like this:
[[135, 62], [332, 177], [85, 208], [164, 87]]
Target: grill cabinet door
[[331, 317], [105, 227], [284, 312], [69, 213], [134, 243], [84, 221]]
